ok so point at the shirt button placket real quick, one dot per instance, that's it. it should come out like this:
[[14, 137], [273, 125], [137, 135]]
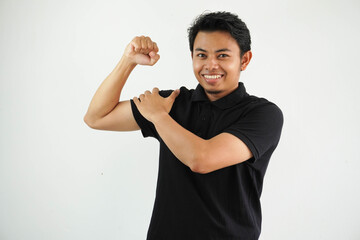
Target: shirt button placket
[[204, 117]]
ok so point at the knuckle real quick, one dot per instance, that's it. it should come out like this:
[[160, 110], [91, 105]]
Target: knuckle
[[137, 39]]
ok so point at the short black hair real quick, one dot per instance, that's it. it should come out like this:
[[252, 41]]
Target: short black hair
[[221, 21]]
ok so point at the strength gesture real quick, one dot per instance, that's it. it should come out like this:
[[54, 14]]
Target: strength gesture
[[142, 50]]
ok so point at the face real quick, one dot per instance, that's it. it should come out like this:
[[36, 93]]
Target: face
[[217, 64]]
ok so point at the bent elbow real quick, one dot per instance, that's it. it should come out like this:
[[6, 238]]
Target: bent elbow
[[89, 122], [199, 164], [199, 169]]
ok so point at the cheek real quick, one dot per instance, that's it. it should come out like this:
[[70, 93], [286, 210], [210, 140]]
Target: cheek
[[234, 68], [196, 67]]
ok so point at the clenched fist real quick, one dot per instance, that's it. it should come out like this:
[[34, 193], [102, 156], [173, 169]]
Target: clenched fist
[[142, 50]]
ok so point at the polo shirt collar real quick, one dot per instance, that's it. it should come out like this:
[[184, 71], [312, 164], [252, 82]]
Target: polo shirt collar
[[228, 101]]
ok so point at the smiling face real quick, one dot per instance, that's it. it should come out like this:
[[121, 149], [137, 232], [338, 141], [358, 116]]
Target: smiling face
[[217, 64]]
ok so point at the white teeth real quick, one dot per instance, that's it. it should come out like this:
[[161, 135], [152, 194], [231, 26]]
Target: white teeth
[[212, 76]]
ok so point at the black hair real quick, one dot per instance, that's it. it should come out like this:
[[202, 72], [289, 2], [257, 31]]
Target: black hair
[[221, 21]]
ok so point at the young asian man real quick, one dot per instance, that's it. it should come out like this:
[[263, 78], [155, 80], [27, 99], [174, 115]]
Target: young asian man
[[215, 140]]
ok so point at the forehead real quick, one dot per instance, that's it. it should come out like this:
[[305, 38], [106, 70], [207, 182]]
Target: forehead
[[215, 40]]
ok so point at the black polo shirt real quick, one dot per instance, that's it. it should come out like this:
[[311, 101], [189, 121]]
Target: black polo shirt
[[223, 204]]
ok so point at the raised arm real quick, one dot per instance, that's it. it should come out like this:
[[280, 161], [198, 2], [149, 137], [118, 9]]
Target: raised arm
[[105, 112]]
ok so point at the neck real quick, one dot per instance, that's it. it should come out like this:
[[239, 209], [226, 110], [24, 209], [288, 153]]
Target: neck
[[214, 95]]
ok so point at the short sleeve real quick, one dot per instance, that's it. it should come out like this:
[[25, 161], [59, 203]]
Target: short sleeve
[[147, 127], [259, 129]]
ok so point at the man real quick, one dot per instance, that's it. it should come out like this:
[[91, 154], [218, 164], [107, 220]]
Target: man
[[215, 140]]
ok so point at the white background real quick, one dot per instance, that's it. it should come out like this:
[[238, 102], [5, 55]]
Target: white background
[[59, 179]]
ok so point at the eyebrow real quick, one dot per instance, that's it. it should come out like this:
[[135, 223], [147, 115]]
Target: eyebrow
[[220, 50]]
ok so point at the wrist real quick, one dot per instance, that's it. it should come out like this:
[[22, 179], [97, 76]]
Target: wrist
[[127, 62], [160, 118]]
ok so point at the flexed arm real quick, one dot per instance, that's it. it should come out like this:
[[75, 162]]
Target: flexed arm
[[105, 112]]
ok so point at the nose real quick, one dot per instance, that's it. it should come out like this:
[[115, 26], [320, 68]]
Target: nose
[[211, 63]]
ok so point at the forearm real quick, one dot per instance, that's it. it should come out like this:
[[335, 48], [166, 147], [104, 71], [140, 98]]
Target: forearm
[[108, 94], [185, 145]]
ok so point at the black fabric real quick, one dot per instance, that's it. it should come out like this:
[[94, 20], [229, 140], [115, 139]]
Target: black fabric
[[223, 204]]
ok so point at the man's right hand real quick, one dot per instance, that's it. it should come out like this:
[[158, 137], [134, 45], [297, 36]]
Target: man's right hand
[[142, 50]]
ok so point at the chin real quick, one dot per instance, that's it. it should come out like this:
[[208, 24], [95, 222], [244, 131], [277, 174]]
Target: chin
[[212, 88]]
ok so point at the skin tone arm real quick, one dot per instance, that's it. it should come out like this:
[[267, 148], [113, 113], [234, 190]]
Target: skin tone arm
[[105, 112], [200, 155]]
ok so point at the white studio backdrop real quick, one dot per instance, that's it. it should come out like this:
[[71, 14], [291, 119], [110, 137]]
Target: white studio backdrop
[[60, 180]]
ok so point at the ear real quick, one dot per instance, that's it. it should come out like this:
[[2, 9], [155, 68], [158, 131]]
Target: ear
[[245, 60]]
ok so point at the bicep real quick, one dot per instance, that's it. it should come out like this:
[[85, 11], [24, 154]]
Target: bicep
[[121, 118]]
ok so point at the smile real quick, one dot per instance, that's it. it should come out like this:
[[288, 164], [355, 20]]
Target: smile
[[212, 78]]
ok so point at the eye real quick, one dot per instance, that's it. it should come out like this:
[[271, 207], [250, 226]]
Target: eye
[[223, 55], [201, 55]]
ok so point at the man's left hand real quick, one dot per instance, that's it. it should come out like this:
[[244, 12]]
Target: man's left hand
[[152, 106]]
